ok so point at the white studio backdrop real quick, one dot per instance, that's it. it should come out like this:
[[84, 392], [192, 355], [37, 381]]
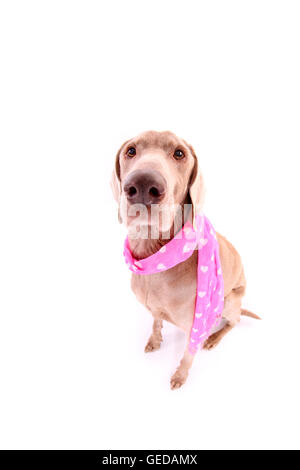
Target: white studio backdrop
[[77, 79]]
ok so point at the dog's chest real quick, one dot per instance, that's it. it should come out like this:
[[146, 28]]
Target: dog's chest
[[169, 295]]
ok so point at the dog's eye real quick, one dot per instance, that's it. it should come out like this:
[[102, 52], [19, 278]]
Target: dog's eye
[[178, 154], [131, 152]]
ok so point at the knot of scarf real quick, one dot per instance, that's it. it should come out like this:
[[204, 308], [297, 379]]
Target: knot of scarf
[[209, 296]]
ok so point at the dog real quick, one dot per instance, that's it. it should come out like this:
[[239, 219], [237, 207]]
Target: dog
[[158, 169]]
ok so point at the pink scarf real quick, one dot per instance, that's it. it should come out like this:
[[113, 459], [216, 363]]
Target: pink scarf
[[210, 286]]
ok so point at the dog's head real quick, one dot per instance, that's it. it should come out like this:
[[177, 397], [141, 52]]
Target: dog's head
[[156, 170]]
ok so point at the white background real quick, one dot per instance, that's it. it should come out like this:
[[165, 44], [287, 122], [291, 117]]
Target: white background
[[77, 79]]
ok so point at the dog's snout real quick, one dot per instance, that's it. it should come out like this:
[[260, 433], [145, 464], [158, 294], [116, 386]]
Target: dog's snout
[[145, 187]]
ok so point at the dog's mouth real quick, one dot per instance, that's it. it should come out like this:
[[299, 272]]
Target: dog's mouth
[[148, 222]]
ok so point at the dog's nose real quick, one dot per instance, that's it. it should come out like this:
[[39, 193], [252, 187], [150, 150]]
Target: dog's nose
[[145, 187]]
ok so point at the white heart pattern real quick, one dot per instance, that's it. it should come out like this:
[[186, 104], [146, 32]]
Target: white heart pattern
[[198, 315], [204, 269], [161, 266], [186, 248], [203, 241], [195, 330], [163, 249], [201, 294]]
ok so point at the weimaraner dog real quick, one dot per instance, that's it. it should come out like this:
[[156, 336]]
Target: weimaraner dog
[[158, 168]]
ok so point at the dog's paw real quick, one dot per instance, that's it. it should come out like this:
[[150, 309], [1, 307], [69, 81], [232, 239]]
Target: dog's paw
[[177, 380], [152, 345]]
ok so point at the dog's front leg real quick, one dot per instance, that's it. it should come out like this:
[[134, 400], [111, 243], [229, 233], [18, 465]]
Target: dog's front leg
[[182, 371], [156, 336]]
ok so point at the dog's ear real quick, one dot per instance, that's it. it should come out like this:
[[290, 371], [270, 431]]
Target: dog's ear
[[115, 182], [197, 187]]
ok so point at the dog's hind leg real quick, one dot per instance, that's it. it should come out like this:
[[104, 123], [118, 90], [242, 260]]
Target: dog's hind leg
[[215, 338], [231, 313]]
